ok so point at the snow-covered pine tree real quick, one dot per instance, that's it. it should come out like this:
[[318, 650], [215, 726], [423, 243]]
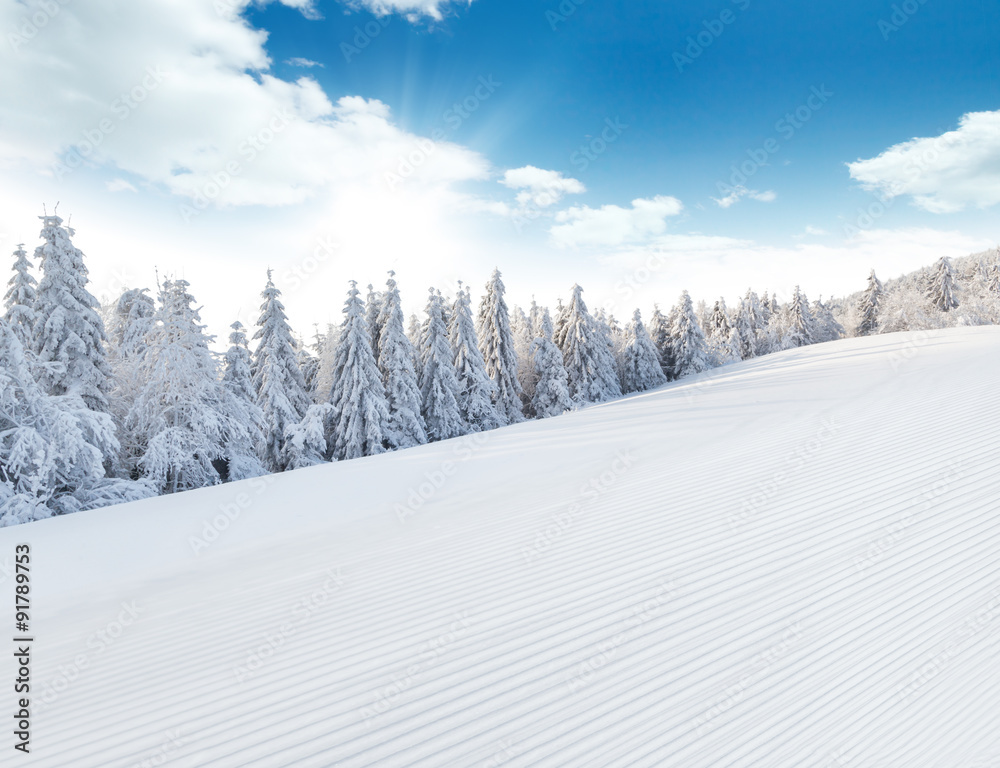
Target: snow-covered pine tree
[[942, 286], [439, 385], [19, 301], [593, 375], [520, 328], [281, 389], [827, 327], [612, 331], [237, 381], [52, 448], [659, 333], [360, 411], [475, 388], [993, 283], [309, 364], [497, 345], [551, 396], [800, 330], [183, 417], [405, 425], [641, 368], [373, 313], [68, 330], [748, 324], [868, 307], [687, 340], [306, 442], [131, 320], [718, 326], [129, 324], [540, 322]]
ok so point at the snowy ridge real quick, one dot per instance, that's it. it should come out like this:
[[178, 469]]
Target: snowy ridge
[[789, 561]]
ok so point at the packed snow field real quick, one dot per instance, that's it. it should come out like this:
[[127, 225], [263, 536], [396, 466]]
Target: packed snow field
[[790, 561]]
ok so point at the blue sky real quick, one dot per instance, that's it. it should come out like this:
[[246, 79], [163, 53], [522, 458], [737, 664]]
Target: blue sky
[[559, 76]]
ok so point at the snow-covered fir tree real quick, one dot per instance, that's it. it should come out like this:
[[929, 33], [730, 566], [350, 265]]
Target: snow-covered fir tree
[[942, 289], [52, 448], [827, 328], [497, 345], [476, 389], [748, 325], [405, 425], [641, 364], [659, 333], [281, 389], [592, 372], [551, 396], [68, 330], [993, 280], [373, 313], [718, 324], [237, 381], [520, 328], [306, 442], [540, 321], [309, 364], [868, 307], [360, 411], [800, 327], [19, 301], [687, 340], [130, 323], [439, 387], [184, 418]]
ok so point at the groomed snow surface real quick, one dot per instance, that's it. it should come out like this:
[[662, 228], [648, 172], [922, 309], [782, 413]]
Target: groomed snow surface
[[793, 561]]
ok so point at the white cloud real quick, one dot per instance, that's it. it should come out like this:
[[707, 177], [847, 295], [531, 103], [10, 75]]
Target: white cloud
[[179, 95], [120, 185], [413, 10], [816, 231], [298, 61], [739, 192], [540, 188], [710, 266], [943, 174], [612, 224]]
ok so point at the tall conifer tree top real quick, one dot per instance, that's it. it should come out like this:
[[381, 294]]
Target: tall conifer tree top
[[69, 331]]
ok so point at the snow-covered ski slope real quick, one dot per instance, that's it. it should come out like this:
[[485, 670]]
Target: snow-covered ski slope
[[793, 561]]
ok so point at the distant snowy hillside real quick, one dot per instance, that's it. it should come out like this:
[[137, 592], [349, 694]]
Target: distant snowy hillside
[[789, 561]]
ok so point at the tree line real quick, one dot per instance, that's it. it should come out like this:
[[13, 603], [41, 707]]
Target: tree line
[[107, 404]]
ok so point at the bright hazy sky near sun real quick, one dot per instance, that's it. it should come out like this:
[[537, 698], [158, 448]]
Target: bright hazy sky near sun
[[636, 147]]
